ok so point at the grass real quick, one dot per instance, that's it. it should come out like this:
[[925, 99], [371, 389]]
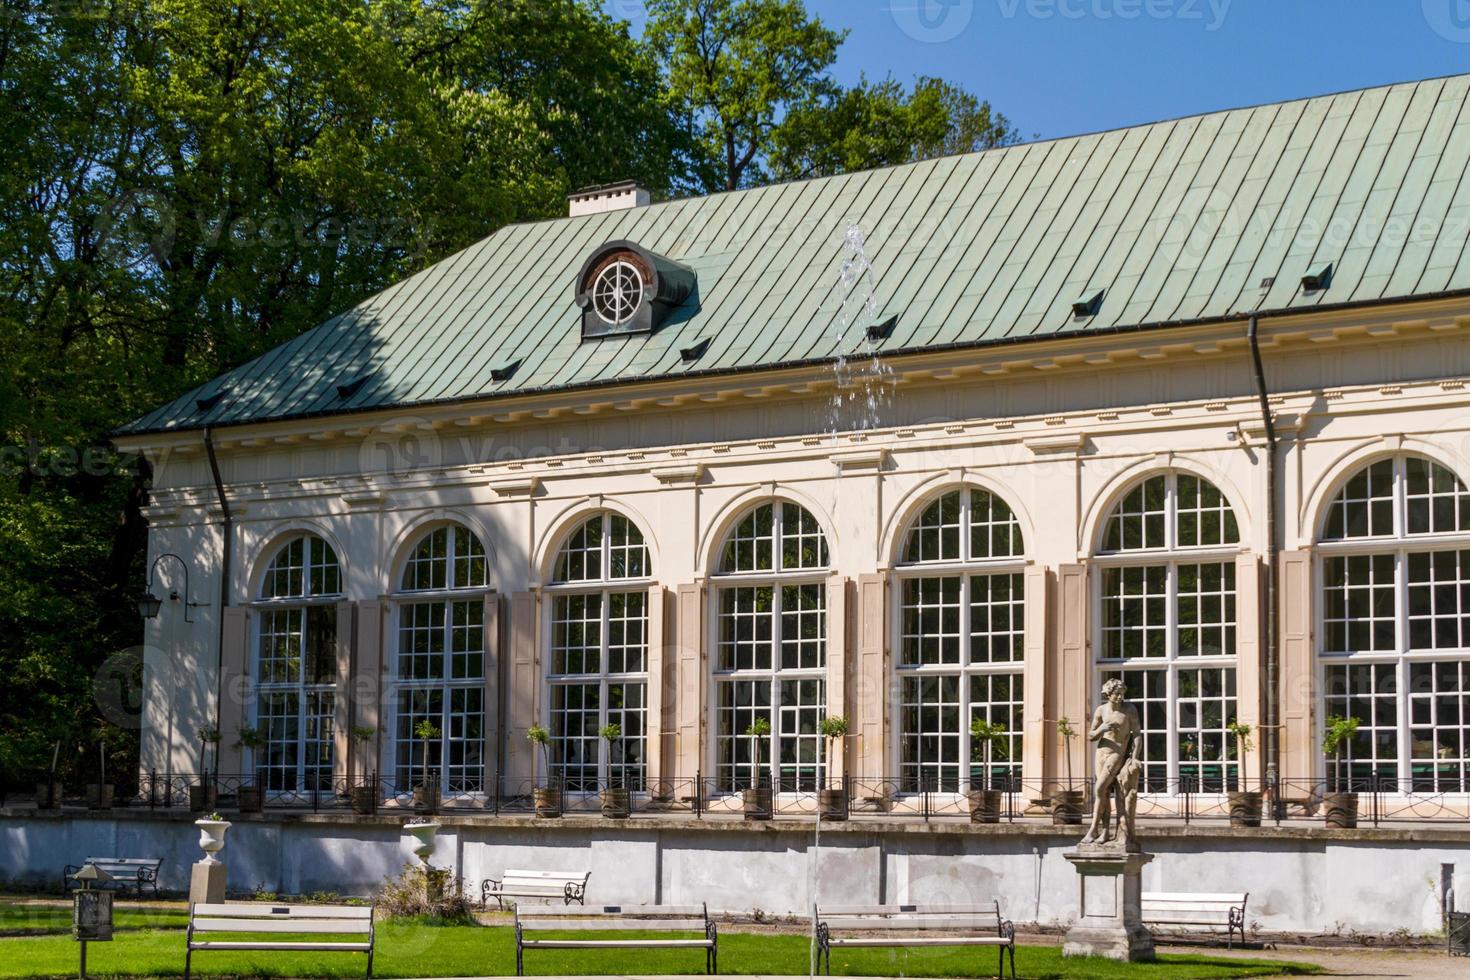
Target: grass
[[150, 943]]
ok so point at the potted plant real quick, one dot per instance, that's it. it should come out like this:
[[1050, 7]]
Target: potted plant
[[365, 796], [1245, 805], [547, 797], [1066, 804], [99, 794], [758, 797], [426, 793], [832, 799], [616, 802], [1340, 805], [251, 795], [202, 796], [985, 738], [212, 829]]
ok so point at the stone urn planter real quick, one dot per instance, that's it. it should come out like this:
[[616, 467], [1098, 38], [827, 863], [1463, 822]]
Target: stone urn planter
[[758, 803], [547, 800], [616, 803], [423, 833], [832, 803], [985, 805], [211, 837], [1066, 807], [1245, 809], [1341, 810]]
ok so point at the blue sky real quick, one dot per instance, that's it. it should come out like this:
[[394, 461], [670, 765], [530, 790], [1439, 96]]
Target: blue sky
[[1061, 67]]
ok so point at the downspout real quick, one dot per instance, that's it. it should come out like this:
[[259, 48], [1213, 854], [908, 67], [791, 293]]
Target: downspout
[[1271, 727], [227, 550]]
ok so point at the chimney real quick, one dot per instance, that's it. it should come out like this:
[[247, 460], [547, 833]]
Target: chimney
[[606, 197]]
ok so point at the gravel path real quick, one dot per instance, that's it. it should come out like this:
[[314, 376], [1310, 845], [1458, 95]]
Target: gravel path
[[1418, 964]]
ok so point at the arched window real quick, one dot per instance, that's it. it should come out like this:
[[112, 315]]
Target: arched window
[[598, 668], [440, 663], [961, 642], [1167, 588], [296, 666], [1395, 579], [771, 648]]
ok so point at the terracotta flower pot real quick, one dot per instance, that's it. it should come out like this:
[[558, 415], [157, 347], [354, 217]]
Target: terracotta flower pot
[[985, 805], [48, 795], [1341, 810], [547, 800], [201, 798], [1245, 809], [1066, 807], [426, 798], [758, 803], [832, 803], [364, 800], [99, 797], [616, 803], [250, 799]]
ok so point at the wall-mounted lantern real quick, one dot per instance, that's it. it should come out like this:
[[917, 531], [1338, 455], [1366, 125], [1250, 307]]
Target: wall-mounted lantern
[[149, 605]]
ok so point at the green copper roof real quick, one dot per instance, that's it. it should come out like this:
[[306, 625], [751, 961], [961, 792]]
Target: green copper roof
[[1175, 221]]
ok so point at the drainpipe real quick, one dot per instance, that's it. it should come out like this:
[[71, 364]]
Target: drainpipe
[[1270, 729], [228, 532]]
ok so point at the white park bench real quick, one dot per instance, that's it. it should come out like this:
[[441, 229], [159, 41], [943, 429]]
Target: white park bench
[[664, 920], [281, 927], [569, 886], [1188, 909], [135, 872], [915, 925]]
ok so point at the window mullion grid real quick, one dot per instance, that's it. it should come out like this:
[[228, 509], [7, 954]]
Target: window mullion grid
[[604, 654], [963, 783], [1172, 780]]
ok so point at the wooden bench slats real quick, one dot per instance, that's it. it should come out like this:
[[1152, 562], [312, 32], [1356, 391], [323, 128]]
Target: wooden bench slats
[[307, 922], [896, 925], [1214, 909], [922, 941], [603, 925], [291, 913], [135, 872], [314, 926], [986, 908], [618, 918], [1235, 898], [569, 886], [901, 925]]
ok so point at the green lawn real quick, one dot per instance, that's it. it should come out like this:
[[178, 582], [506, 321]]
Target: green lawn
[[414, 950], [37, 918]]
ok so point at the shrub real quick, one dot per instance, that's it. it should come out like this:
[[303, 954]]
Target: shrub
[[432, 894]]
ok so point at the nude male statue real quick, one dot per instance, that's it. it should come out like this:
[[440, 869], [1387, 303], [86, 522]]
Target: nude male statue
[[1119, 735]]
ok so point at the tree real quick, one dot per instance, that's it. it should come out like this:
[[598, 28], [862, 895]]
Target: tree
[[733, 69], [880, 124]]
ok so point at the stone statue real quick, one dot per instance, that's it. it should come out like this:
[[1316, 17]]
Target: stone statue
[[1119, 735]]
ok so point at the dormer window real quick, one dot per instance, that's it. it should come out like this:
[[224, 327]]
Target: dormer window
[[623, 288]]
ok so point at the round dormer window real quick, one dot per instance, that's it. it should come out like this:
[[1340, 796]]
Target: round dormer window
[[617, 291]]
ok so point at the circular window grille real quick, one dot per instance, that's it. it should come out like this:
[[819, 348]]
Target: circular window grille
[[617, 292]]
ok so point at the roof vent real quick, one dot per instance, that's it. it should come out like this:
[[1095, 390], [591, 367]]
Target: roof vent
[[207, 402], [350, 388], [881, 331], [688, 354], [1317, 279], [505, 370], [1087, 306], [606, 197]]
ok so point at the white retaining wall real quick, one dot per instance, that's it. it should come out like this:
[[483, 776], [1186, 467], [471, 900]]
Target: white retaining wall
[[1373, 881]]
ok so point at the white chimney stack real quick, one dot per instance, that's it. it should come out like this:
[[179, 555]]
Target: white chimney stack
[[606, 197]]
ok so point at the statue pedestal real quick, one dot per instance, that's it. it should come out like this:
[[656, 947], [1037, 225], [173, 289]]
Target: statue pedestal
[[207, 883], [1110, 893]]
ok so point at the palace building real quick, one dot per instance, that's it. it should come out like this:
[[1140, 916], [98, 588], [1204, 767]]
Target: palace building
[[1181, 403]]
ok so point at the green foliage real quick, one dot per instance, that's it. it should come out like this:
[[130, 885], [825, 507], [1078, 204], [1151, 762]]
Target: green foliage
[[759, 728], [611, 733], [250, 738], [833, 726], [426, 730], [363, 733], [432, 895], [1339, 733], [987, 733], [1242, 735], [1065, 729], [876, 124], [538, 735]]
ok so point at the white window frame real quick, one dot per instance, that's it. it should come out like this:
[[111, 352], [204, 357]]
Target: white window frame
[[965, 568], [1170, 556], [301, 688], [1399, 545], [604, 586], [777, 578], [397, 686]]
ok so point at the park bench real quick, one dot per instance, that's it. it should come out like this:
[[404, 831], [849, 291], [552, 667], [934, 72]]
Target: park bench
[[1197, 909], [136, 872], [569, 886], [532, 923], [281, 927], [915, 925]]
